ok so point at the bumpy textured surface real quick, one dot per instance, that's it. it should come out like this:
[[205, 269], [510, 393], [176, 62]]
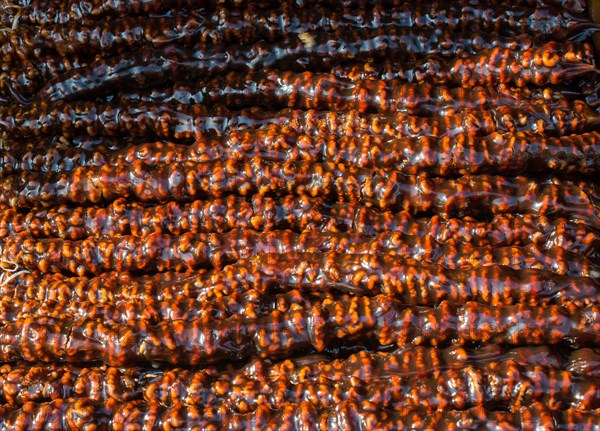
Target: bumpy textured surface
[[303, 215]]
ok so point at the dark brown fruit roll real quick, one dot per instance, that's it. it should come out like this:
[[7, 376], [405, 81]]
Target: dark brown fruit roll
[[573, 6], [250, 303], [470, 195], [159, 252], [110, 120], [266, 381], [504, 382], [222, 28], [27, 76], [21, 382], [412, 282], [273, 282], [25, 383], [18, 147], [501, 385], [551, 63], [87, 415], [326, 91], [247, 282], [489, 15], [298, 213], [376, 321], [186, 123], [460, 154]]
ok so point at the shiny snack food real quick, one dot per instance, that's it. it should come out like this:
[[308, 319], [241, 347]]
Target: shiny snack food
[[474, 195], [459, 154], [271, 276], [159, 252], [298, 213], [86, 415], [376, 321], [494, 376], [186, 123], [302, 215], [551, 63]]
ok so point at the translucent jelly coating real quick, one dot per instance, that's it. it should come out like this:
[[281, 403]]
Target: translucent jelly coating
[[489, 15], [450, 378], [376, 321], [187, 123], [469, 195], [87, 415], [298, 213], [326, 91], [160, 252], [222, 27], [247, 284], [550, 63], [459, 154]]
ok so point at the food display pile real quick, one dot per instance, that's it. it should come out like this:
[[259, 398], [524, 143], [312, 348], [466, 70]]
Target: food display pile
[[305, 215]]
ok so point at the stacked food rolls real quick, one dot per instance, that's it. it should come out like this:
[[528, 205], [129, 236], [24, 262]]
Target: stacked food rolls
[[300, 215]]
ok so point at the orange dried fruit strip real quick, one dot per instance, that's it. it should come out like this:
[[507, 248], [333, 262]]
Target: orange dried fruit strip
[[376, 321], [459, 154], [160, 252], [551, 63], [469, 195], [187, 123], [451, 378], [298, 213]]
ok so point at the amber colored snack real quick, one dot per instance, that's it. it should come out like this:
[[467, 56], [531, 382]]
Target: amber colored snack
[[298, 213], [550, 63], [159, 252], [186, 123], [240, 285], [449, 378], [459, 154], [375, 321], [476, 195]]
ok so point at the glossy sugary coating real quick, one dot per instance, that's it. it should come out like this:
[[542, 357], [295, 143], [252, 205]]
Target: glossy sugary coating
[[377, 321], [410, 281], [178, 122], [313, 215], [138, 119], [153, 311], [248, 27], [22, 383], [159, 252], [554, 20], [298, 213], [550, 63], [476, 195], [27, 76], [86, 415], [325, 91], [260, 381], [29, 65], [573, 6], [451, 155], [503, 385], [20, 146], [263, 278], [495, 377], [584, 361], [44, 12]]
